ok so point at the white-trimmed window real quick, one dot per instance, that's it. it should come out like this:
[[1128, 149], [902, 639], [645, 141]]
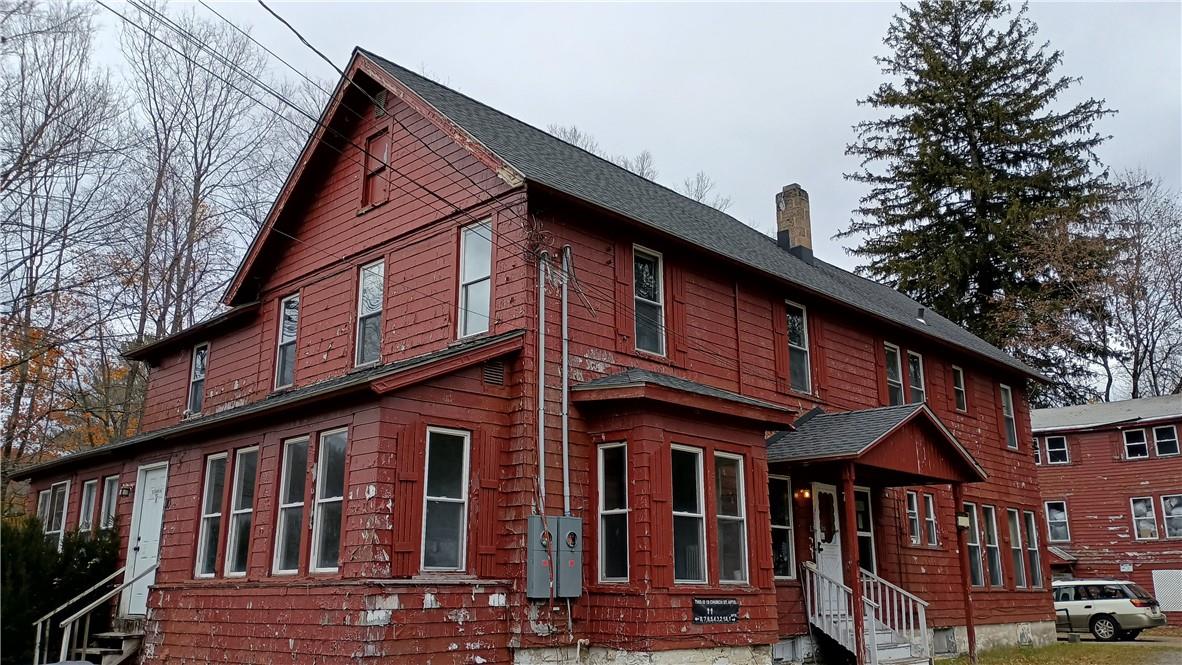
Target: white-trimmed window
[[475, 278], [370, 293], [1007, 415], [1058, 530], [211, 515], [1017, 552], [1144, 518], [86, 505], [246, 462], [445, 499], [731, 514], [915, 377], [110, 500], [864, 525], [52, 506], [974, 542], [959, 390], [894, 374], [1057, 451], [1171, 512], [1165, 440], [289, 531], [197, 369], [799, 368], [285, 354], [930, 528], [1136, 445], [328, 506], [613, 512], [913, 526], [648, 296], [1036, 450], [992, 547], [1032, 551], [689, 516], [783, 545]]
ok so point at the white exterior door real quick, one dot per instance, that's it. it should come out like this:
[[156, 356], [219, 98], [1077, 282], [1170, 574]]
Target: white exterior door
[[143, 549], [827, 531]]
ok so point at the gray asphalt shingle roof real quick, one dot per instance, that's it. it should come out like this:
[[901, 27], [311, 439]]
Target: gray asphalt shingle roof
[[1106, 413], [845, 434], [550, 161], [636, 377]]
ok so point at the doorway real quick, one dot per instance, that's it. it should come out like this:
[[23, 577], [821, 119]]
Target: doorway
[[143, 545]]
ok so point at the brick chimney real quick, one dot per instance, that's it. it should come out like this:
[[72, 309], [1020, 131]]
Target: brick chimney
[[793, 226]]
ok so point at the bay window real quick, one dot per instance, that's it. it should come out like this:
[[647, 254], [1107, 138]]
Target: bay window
[[731, 517], [689, 517], [783, 545], [613, 512], [445, 499]]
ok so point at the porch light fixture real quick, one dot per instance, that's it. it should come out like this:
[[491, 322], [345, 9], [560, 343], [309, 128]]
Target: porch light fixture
[[125, 490], [803, 493]]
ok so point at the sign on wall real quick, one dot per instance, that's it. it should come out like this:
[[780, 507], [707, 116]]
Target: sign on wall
[[716, 610]]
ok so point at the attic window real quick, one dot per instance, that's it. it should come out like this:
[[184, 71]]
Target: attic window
[[376, 188]]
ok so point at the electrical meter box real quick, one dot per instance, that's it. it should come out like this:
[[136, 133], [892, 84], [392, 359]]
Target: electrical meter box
[[554, 555]]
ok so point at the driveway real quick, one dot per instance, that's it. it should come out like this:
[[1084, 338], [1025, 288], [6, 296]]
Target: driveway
[[1148, 638]]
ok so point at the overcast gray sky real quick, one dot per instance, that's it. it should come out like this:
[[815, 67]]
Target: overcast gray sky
[[756, 95]]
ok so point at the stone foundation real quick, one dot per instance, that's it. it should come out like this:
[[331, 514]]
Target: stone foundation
[[748, 655], [945, 642]]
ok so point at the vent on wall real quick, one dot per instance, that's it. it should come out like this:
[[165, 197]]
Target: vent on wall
[[379, 104], [494, 373]]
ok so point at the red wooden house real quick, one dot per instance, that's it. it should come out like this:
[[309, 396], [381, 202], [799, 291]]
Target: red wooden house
[[1111, 477], [481, 396]]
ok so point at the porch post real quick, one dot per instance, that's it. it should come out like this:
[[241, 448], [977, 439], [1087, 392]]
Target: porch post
[[849, 531], [966, 580]]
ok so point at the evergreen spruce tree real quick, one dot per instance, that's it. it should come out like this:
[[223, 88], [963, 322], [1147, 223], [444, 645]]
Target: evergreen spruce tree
[[986, 198]]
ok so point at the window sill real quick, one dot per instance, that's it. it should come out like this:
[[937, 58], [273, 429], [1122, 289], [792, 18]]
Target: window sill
[[370, 208]]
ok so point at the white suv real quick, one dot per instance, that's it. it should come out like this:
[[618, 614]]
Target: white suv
[[1109, 609]]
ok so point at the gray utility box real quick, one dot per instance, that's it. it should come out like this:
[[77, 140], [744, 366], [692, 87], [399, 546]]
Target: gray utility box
[[554, 553]]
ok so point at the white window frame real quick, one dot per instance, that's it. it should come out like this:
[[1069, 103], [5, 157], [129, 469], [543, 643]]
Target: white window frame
[[1034, 574], [1009, 419], [462, 560], [1036, 448], [1174, 432], [467, 281], [110, 502], [931, 526], [280, 529], [60, 531], [914, 525], [660, 259], [86, 505], [1046, 505], [193, 379], [232, 532], [959, 390], [923, 389], [1165, 517], [1017, 550], [741, 518], [859, 533], [1052, 449], [808, 358], [1152, 517], [887, 346], [362, 315], [319, 501], [700, 515], [1144, 442], [786, 527], [207, 515], [973, 540], [992, 550], [608, 512], [281, 341]]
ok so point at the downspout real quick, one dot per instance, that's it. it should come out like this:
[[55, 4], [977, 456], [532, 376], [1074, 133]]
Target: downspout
[[541, 369], [566, 274]]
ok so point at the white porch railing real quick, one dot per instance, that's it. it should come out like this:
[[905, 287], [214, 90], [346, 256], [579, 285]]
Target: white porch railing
[[829, 605], [900, 611], [72, 637]]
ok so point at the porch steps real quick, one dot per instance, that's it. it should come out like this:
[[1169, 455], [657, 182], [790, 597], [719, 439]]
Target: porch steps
[[128, 648]]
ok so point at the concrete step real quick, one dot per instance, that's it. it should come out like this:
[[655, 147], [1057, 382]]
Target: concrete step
[[910, 660], [119, 635], [97, 651], [893, 651]]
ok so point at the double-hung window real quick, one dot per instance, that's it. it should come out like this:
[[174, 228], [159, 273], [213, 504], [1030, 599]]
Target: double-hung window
[[197, 377], [992, 547], [1017, 553], [864, 523], [211, 515], [731, 513], [328, 508], [958, 389], [1171, 512], [475, 278], [1165, 440], [1032, 552], [648, 296], [799, 372], [370, 292], [445, 499], [246, 462], [689, 516], [289, 532], [1058, 531], [783, 547], [285, 355], [1036, 450], [613, 512], [1144, 518], [110, 499], [913, 529], [894, 375], [52, 505], [931, 532], [974, 543], [1057, 452], [86, 509], [376, 188], [1007, 415], [1136, 446], [915, 377]]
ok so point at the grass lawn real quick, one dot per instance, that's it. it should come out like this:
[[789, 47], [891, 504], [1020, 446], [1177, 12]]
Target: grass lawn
[[1077, 654]]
